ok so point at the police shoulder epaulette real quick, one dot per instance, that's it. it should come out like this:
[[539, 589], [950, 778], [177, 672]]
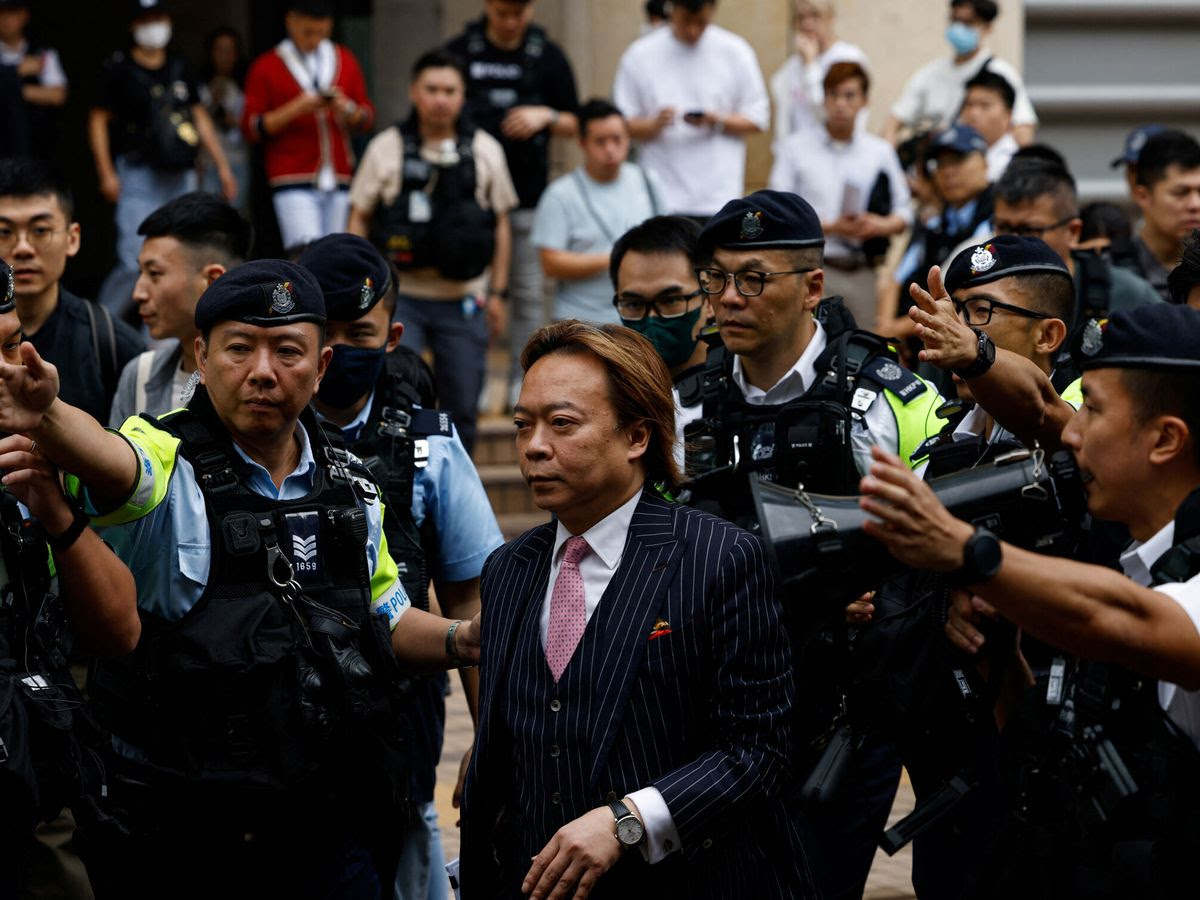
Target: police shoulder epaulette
[[427, 422], [892, 376]]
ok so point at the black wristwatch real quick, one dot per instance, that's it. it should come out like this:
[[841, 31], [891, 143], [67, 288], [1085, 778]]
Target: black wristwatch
[[983, 361], [79, 522], [981, 558], [630, 830]]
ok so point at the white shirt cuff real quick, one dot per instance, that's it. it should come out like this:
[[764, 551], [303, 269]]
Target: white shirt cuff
[[662, 837]]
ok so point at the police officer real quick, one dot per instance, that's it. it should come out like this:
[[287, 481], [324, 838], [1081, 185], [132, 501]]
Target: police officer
[[795, 394], [63, 590], [256, 735], [1107, 805], [1005, 306], [437, 518]]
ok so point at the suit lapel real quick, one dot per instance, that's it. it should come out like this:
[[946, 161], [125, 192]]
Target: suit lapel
[[628, 609]]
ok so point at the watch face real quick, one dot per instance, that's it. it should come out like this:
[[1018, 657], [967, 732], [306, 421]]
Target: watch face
[[630, 831]]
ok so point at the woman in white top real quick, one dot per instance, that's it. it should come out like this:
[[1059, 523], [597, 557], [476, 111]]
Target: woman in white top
[[797, 87]]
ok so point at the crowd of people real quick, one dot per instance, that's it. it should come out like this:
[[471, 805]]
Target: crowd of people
[[244, 543]]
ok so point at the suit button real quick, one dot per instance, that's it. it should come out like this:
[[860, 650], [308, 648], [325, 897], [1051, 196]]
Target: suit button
[[554, 751], [556, 798], [555, 705], [706, 843]]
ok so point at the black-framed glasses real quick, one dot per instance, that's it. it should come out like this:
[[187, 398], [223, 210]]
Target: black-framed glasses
[[748, 282], [671, 306], [1031, 230], [978, 310]]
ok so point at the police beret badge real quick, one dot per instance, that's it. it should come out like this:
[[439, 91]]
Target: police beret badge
[[366, 294], [983, 259], [1092, 339], [282, 301], [752, 226]]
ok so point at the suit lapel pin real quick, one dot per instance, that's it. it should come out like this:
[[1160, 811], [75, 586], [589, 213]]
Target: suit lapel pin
[[661, 627]]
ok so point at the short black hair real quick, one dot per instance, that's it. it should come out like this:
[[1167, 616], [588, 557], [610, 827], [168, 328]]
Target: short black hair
[[1164, 393], [202, 221], [439, 58], [692, 5], [659, 234], [1051, 294], [1105, 220], [656, 8], [593, 110], [1163, 150], [21, 177], [1024, 180], [986, 10], [1043, 152], [986, 79], [1186, 275], [315, 9]]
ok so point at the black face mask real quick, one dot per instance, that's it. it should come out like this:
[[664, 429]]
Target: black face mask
[[352, 373]]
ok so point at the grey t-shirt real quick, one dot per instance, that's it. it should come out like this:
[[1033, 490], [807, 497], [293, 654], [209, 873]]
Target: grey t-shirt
[[581, 215]]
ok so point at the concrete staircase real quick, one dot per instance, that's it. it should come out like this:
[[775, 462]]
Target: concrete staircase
[[496, 461]]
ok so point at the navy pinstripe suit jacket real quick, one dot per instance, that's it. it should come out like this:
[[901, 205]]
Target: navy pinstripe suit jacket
[[702, 713]]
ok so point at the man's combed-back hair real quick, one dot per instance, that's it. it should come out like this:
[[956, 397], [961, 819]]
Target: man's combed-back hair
[[202, 222], [639, 384], [658, 235]]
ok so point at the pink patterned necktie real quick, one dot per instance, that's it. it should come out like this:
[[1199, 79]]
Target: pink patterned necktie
[[568, 611]]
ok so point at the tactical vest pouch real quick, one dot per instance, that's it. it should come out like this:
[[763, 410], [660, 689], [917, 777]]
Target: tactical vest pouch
[[812, 445], [19, 798]]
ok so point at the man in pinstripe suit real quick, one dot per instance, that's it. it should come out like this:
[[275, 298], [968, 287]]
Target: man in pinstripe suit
[[634, 731]]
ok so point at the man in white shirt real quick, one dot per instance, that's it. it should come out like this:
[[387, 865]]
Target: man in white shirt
[[636, 699], [934, 94], [798, 86], [582, 214], [838, 169], [1135, 443], [692, 91], [987, 108]]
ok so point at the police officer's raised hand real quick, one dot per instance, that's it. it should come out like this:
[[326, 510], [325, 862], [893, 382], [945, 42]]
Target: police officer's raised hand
[[949, 341], [909, 518], [26, 391]]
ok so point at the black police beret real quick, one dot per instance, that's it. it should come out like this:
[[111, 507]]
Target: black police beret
[[7, 304], [1151, 336], [265, 292], [352, 274], [1002, 256], [765, 219]]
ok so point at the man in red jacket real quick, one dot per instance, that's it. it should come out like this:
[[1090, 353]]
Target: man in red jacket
[[303, 99]]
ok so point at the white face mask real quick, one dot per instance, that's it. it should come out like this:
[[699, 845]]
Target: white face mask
[[153, 35]]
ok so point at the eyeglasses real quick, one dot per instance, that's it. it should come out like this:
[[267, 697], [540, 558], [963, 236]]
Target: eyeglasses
[[749, 282], [1031, 230], [978, 311], [39, 236], [671, 306]]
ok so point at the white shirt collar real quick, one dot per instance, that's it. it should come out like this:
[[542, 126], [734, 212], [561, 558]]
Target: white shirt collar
[[1137, 560], [795, 381], [606, 537]]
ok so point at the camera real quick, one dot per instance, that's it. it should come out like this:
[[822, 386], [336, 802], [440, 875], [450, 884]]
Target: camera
[[823, 556]]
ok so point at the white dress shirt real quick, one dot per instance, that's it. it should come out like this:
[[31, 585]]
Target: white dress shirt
[[876, 427], [821, 169], [607, 540], [935, 91], [1181, 705]]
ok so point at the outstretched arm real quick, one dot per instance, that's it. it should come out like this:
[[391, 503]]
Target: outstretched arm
[[70, 438], [1089, 610]]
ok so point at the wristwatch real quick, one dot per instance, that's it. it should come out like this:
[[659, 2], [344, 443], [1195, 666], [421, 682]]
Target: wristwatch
[[630, 830], [983, 361], [79, 523], [981, 557]]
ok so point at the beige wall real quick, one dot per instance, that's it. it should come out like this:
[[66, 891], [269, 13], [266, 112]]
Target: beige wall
[[897, 37]]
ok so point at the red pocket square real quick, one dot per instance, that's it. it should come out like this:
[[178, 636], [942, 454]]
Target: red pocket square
[[661, 627]]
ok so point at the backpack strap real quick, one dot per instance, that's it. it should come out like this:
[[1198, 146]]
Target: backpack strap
[[104, 346]]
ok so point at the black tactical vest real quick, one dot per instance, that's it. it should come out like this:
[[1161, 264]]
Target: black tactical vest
[[491, 94], [278, 682], [393, 444], [435, 220], [43, 763], [805, 441]]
